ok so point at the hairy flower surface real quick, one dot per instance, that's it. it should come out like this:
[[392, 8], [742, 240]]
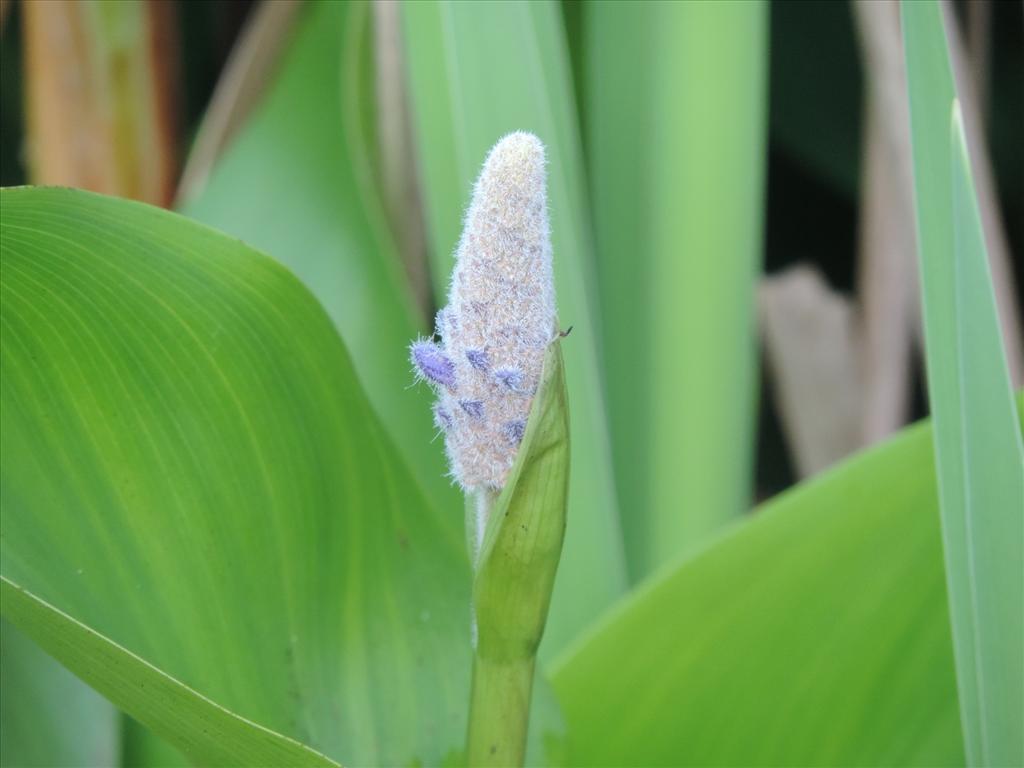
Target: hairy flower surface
[[499, 319]]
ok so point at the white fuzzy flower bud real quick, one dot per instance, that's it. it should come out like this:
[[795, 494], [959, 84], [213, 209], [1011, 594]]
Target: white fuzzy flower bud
[[499, 319]]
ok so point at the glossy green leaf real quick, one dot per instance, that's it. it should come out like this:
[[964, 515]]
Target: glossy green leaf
[[190, 470], [47, 716], [301, 190], [476, 72], [677, 212], [815, 633], [978, 444]]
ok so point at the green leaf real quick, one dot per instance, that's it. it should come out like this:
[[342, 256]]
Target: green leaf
[[47, 716], [677, 212], [206, 731], [813, 633], [991, 512], [302, 191], [478, 71], [190, 469], [978, 450]]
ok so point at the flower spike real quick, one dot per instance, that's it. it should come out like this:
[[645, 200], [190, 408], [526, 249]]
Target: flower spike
[[499, 319]]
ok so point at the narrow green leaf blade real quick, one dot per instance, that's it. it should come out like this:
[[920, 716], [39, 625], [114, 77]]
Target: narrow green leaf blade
[[47, 716], [993, 504], [207, 732], [189, 468], [677, 212], [302, 191], [478, 71], [978, 449], [815, 633]]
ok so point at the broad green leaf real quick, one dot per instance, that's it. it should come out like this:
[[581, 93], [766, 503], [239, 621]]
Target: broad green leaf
[[677, 212], [300, 189], [815, 633], [190, 470], [208, 732], [47, 716], [978, 449], [478, 71]]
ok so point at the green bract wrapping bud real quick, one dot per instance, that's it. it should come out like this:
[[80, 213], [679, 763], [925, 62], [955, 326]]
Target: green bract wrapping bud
[[499, 319]]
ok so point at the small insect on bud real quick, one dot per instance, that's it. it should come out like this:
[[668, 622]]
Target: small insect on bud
[[509, 378], [514, 431], [475, 408], [478, 359], [432, 364], [499, 318]]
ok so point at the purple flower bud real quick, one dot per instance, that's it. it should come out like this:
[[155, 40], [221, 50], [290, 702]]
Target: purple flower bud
[[475, 408], [442, 419], [510, 377], [514, 431], [432, 364], [478, 359]]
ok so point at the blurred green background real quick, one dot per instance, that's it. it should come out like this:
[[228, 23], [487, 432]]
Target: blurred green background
[[730, 192], [816, 114]]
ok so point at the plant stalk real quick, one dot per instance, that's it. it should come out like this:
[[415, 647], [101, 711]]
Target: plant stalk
[[499, 711], [515, 541]]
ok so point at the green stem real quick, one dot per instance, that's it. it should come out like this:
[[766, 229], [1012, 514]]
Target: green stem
[[499, 712]]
